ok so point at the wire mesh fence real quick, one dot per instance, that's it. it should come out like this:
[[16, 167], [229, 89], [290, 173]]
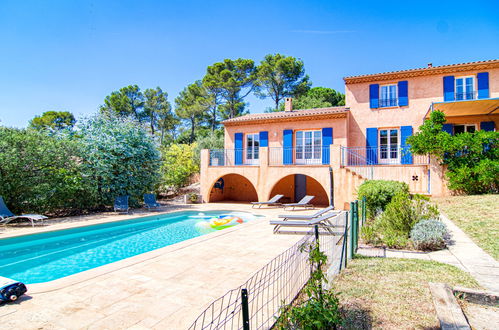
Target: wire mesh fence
[[257, 303]]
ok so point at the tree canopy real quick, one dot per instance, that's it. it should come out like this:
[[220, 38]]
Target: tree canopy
[[280, 76], [53, 120]]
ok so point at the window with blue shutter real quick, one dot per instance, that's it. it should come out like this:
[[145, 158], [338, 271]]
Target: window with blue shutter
[[238, 149], [403, 91], [483, 85], [327, 140], [264, 139], [374, 96], [488, 126], [287, 147], [449, 88], [406, 155], [448, 128], [372, 146]]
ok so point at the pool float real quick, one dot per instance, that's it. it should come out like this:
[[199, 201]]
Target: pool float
[[218, 223], [10, 290]]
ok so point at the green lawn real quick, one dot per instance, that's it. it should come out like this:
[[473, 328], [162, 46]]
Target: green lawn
[[477, 215], [385, 293]]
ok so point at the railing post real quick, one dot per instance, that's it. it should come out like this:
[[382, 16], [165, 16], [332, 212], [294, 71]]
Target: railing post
[[245, 308]]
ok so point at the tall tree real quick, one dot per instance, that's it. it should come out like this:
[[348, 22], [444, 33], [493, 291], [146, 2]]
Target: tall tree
[[53, 120], [158, 111], [280, 76], [235, 80], [316, 97], [127, 102], [191, 105]]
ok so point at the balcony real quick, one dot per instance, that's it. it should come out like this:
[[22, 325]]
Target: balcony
[[274, 156], [369, 156]]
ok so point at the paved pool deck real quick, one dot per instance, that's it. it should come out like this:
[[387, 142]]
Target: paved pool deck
[[162, 289]]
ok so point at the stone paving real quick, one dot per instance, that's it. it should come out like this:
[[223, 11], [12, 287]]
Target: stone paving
[[461, 252], [163, 289]]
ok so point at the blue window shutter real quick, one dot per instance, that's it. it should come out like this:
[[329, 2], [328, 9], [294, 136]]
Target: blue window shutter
[[406, 155], [264, 139], [372, 146], [487, 126], [483, 85], [449, 88], [374, 96], [327, 140], [238, 146], [403, 91], [447, 128], [287, 144]]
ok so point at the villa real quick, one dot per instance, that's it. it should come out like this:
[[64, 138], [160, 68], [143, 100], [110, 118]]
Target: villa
[[329, 152]]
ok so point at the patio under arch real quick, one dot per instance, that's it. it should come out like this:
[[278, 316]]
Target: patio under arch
[[233, 187], [295, 186]]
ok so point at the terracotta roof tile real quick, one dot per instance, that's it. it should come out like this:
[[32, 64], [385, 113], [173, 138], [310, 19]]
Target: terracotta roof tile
[[421, 71], [287, 115]]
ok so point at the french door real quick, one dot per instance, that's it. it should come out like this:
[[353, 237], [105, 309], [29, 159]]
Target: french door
[[308, 147], [252, 148], [389, 141]]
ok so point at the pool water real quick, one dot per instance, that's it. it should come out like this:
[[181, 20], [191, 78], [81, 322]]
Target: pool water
[[48, 256]]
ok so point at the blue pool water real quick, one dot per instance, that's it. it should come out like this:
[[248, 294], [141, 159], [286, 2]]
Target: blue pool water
[[48, 256]]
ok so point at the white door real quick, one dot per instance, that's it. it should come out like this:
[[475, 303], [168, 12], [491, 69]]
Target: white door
[[389, 152], [308, 147], [252, 148]]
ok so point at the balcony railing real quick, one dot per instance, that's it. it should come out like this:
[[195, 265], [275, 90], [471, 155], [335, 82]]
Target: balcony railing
[[309, 155], [230, 157], [369, 156], [472, 95], [387, 103]]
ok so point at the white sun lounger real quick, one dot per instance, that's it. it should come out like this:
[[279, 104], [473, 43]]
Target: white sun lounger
[[306, 217]]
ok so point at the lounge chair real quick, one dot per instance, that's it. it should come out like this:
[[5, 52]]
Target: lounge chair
[[274, 201], [304, 202], [121, 204], [307, 217], [323, 221], [7, 216], [150, 201]]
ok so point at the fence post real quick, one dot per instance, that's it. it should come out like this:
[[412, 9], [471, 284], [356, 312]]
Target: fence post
[[245, 308], [356, 225], [364, 210], [351, 250], [344, 250], [316, 231]]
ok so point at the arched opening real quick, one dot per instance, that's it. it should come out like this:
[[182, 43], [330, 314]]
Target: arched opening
[[295, 186], [233, 187]]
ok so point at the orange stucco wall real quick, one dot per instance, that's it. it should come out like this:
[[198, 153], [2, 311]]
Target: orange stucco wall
[[236, 188], [276, 130]]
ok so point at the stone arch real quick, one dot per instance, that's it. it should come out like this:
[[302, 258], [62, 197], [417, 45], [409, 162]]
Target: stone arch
[[287, 186], [235, 188]]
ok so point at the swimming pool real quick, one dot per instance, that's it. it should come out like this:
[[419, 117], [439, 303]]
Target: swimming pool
[[48, 256]]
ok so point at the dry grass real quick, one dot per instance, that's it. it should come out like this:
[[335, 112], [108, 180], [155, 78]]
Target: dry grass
[[384, 293], [476, 215]]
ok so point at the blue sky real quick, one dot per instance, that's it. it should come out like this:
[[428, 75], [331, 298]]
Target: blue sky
[[68, 55]]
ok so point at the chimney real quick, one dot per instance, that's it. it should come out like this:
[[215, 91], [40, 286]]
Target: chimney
[[430, 65], [288, 104]]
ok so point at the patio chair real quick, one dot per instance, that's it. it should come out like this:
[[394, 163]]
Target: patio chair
[[323, 221], [7, 216], [150, 201], [307, 217], [121, 204], [304, 202], [274, 201]]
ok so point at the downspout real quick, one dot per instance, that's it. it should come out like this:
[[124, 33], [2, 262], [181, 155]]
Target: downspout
[[331, 187]]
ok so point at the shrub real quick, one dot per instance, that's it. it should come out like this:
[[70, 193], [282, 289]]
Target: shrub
[[179, 163], [393, 226], [119, 156], [40, 173], [379, 193], [429, 235]]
